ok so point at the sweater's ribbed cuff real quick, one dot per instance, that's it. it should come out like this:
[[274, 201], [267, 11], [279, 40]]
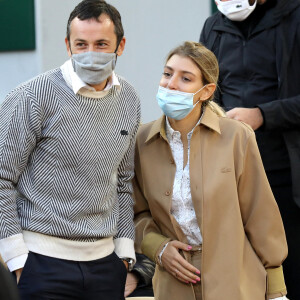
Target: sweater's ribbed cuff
[[124, 248], [17, 262], [13, 246], [276, 284]]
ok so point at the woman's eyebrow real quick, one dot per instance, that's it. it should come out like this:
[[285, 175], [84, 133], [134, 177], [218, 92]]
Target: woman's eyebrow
[[183, 71]]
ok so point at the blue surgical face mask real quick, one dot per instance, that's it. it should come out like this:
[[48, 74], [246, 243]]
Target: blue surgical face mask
[[175, 104]]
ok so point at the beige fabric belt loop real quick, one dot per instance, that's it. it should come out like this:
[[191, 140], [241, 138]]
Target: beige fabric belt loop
[[196, 260]]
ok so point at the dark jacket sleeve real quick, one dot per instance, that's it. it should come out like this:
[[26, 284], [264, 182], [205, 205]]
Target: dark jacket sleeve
[[202, 38], [211, 40], [207, 35], [284, 113], [144, 269], [8, 290], [281, 114]]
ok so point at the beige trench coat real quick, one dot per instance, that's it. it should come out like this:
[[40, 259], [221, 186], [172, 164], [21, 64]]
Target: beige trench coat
[[244, 242]]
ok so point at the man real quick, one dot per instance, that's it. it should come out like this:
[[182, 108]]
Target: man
[[66, 163], [257, 44]]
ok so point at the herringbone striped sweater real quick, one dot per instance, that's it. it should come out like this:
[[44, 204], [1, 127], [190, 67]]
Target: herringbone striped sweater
[[66, 164]]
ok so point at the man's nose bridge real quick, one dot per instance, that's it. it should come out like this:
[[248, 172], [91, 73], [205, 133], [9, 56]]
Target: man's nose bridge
[[91, 48]]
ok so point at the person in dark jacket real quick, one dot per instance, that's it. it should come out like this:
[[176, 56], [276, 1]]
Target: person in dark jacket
[[257, 44], [8, 286]]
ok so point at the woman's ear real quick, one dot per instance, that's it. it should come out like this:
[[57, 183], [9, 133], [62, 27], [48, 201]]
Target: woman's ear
[[207, 91]]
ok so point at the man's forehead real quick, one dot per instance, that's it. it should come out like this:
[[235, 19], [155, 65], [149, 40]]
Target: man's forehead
[[103, 18], [101, 26]]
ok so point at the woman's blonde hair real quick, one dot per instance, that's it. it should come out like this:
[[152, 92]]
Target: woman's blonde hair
[[206, 62]]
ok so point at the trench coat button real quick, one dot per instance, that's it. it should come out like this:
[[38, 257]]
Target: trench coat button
[[167, 193], [172, 161]]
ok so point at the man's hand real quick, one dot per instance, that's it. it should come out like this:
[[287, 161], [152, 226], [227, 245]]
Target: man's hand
[[251, 116], [131, 283], [126, 264], [177, 266], [18, 274]]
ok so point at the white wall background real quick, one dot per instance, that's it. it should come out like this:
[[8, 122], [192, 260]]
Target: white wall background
[[152, 29]]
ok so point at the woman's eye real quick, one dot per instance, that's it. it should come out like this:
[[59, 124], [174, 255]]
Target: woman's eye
[[166, 74], [186, 79]]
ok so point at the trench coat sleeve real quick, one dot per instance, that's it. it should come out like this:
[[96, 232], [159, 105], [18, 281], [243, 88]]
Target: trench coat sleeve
[[261, 218], [149, 239]]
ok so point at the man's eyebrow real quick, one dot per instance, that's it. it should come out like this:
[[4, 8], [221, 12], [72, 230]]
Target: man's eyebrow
[[102, 40], [79, 40], [98, 41]]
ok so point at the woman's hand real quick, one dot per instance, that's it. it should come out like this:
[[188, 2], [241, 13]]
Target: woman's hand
[[176, 265]]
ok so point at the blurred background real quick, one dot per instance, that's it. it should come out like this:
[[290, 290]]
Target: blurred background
[[33, 31]]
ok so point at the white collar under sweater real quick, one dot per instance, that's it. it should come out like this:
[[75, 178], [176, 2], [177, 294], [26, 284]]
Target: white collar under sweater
[[80, 87]]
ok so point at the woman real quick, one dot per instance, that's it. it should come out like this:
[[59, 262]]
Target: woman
[[204, 209]]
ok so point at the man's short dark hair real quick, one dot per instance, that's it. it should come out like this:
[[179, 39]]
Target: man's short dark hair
[[92, 9]]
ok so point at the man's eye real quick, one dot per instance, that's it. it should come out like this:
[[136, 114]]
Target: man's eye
[[80, 45]]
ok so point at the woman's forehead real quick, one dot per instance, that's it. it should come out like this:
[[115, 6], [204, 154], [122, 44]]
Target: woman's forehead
[[183, 64]]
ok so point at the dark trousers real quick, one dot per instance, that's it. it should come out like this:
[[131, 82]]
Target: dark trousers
[[46, 277], [290, 213], [142, 292]]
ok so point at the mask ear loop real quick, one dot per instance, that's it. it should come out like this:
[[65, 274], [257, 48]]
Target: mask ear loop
[[70, 47], [196, 103], [196, 93], [117, 50], [200, 90]]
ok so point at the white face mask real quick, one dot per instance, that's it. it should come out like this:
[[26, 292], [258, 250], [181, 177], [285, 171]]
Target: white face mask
[[236, 10]]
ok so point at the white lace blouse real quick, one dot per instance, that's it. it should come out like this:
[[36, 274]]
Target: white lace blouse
[[182, 204]]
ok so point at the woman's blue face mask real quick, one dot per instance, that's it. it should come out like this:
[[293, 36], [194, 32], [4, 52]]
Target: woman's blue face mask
[[175, 104]]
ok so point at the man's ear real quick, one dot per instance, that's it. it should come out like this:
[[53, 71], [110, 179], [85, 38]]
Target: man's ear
[[121, 47], [68, 47], [208, 91]]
